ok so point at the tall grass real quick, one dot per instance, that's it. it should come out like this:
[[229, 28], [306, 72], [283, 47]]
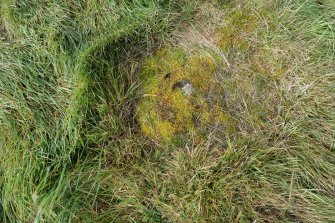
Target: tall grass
[[71, 149]]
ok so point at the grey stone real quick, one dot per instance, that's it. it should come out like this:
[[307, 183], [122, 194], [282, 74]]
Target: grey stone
[[184, 85]]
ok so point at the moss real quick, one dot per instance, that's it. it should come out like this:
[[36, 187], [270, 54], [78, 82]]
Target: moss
[[165, 112], [240, 30]]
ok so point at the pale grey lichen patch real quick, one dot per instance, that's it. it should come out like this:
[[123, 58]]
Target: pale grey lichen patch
[[185, 86], [188, 89]]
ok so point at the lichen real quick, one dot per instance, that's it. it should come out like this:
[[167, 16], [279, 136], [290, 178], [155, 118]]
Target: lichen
[[165, 113]]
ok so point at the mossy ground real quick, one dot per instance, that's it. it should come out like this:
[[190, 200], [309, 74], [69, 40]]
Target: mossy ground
[[78, 76], [165, 113]]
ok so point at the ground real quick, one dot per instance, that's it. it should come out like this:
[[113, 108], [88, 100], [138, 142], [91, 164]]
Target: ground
[[95, 125]]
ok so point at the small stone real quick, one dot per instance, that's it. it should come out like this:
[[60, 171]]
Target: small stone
[[184, 85], [187, 89], [180, 84]]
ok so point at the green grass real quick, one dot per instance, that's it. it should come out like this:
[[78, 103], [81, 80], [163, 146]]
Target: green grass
[[71, 148]]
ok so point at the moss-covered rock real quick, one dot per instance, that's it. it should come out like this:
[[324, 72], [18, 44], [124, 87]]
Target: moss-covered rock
[[181, 95]]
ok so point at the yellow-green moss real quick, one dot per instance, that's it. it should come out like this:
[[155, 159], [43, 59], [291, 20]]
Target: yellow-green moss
[[165, 113], [247, 31], [239, 31]]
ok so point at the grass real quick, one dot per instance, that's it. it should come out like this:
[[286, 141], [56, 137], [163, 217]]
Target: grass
[[71, 88]]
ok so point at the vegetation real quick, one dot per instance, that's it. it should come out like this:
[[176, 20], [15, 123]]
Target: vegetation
[[166, 109], [79, 79]]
